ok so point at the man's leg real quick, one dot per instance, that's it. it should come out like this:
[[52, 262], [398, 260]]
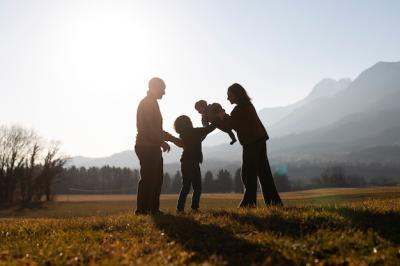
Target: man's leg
[[157, 181], [267, 183], [145, 155]]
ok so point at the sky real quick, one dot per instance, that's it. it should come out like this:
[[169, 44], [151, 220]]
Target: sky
[[75, 71]]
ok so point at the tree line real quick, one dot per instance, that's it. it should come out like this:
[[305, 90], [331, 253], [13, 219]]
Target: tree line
[[223, 182], [32, 169], [115, 180], [338, 176]]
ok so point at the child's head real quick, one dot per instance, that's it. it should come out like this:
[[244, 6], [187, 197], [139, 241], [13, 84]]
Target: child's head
[[201, 106], [182, 124]]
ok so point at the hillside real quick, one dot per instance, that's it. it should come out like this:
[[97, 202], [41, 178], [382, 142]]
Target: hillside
[[374, 89], [338, 120]]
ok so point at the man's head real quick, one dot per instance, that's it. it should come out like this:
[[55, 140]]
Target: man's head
[[201, 106], [156, 88]]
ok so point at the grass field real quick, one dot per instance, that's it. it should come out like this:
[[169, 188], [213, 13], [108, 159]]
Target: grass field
[[323, 227]]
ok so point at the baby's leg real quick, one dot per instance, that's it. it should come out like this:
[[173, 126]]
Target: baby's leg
[[232, 136]]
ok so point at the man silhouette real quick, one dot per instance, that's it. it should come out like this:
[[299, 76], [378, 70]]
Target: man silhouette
[[150, 139]]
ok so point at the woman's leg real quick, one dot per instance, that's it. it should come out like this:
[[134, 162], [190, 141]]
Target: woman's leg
[[267, 183], [249, 177]]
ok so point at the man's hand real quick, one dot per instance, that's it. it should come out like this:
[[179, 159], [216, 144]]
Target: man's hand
[[165, 147]]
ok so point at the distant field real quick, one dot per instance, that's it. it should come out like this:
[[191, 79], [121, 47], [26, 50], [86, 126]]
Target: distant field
[[285, 195], [316, 227], [89, 205]]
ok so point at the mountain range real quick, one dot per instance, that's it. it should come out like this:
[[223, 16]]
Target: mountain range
[[340, 120]]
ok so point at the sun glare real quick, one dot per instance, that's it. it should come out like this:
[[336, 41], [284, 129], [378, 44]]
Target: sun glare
[[106, 47]]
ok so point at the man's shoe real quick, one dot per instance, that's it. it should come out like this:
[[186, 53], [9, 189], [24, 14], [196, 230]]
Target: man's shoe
[[157, 212], [274, 203], [247, 206], [180, 212], [142, 212]]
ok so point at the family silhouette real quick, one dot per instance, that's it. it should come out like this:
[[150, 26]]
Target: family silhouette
[[151, 141]]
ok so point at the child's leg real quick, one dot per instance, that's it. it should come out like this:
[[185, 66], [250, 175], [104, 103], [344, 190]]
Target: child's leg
[[186, 183], [196, 182]]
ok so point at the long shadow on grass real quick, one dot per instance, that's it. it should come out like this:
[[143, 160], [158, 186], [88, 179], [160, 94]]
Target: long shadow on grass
[[295, 227], [206, 240], [385, 224]]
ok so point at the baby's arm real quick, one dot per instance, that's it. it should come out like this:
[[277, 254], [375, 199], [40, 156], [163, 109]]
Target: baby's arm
[[204, 120]]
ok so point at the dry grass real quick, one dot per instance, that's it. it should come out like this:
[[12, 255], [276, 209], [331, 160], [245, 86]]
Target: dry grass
[[329, 229]]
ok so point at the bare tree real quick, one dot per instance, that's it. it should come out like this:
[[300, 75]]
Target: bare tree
[[24, 173], [14, 142], [31, 169], [52, 166]]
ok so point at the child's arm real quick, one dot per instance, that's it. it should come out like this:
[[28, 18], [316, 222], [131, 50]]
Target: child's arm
[[210, 128], [178, 142], [204, 131], [168, 137]]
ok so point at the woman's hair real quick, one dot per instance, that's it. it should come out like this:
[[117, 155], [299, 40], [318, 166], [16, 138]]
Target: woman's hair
[[240, 93], [182, 124]]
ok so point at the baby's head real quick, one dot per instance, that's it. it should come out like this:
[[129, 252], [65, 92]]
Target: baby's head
[[201, 106], [182, 124], [216, 110]]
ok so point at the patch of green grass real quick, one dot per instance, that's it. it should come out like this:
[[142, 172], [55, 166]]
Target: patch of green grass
[[341, 198], [353, 232]]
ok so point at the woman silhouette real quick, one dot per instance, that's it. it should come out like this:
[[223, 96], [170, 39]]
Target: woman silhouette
[[252, 136]]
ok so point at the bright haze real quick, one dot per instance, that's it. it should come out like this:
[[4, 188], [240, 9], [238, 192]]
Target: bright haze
[[76, 70]]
